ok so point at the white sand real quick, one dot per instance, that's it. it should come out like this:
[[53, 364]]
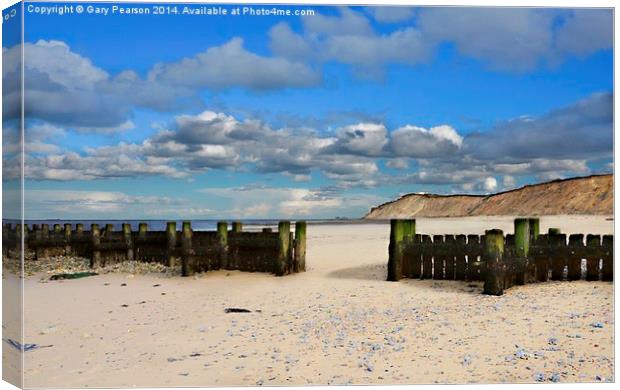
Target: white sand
[[339, 322]]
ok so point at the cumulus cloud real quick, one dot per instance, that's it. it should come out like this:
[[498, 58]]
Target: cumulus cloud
[[419, 142], [289, 202], [79, 204], [562, 142], [391, 14], [585, 31], [67, 89], [349, 38], [232, 65], [580, 131]]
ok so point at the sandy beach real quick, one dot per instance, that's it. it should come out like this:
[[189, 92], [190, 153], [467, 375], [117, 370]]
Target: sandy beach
[[337, 323]]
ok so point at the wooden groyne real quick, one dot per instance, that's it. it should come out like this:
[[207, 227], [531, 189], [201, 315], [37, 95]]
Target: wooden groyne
[[501, 261], [280, 252]]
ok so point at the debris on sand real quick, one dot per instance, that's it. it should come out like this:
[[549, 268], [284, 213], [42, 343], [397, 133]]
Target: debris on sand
[[25, 347], [75, 275], [236, 310]]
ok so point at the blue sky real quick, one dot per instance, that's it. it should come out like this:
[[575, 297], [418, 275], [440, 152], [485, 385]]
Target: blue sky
[[185, 116]]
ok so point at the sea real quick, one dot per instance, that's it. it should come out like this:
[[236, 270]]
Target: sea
[[160, 224]]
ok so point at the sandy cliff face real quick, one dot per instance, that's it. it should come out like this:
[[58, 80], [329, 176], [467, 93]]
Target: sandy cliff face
[[583, 195]]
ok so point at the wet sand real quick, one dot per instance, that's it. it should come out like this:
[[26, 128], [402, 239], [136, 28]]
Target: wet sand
[[337, 323]]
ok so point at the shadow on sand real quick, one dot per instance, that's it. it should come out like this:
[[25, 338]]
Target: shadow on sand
[[361, 272], [379, 272]]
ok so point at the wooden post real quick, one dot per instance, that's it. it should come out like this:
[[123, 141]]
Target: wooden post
[[450, 254], [593, 249], [128, 241], [95, 261], [36, 232], [187, 268], [45, 231], [541, 258], [473, 251], [109, 229], [561, 257], [522, 249], [79, 229], [284, 236], [555, 260], [408, 234], [509, 261], [415, 262], [142, 229], [493, 258], [395, 250], [237, 227], [530, 272], [438, 257], [171, 238], [427, 257], [608, 258], [300, 247], [57, 232], [575, 254], [460, 248], [222, 238], [67, 231]]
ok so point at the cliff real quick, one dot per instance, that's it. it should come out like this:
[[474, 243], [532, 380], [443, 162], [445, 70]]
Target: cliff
[[579, 195]]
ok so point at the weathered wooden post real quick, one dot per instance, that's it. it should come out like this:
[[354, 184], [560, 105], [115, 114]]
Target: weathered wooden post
[[45, 231], [171, 239], [608, 258], [109, 229], [560, 260], [95, 261], [473, 251], [67, 233], [300, 246], [187, 267], [530, 274], [128, 241], [284, 236], [534, 228], [79, 229], [222, 239], [494, 261], [20, 232], [450, 250], [522, 249], [142, 229], [408, 235], [438, 257], [415, 271], [575, 254], [541, 257], [395, 250], [593, 248], [427, 257], [237, 227], [57, 232], [555, 260], [460, 248], [509, 261]]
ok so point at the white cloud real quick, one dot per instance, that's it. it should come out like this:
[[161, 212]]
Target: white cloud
[[391, 14], [490, 184], [419, 142], [232, 65]]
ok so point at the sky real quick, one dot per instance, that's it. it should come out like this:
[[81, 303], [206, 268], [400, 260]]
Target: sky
[[317, 116]]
